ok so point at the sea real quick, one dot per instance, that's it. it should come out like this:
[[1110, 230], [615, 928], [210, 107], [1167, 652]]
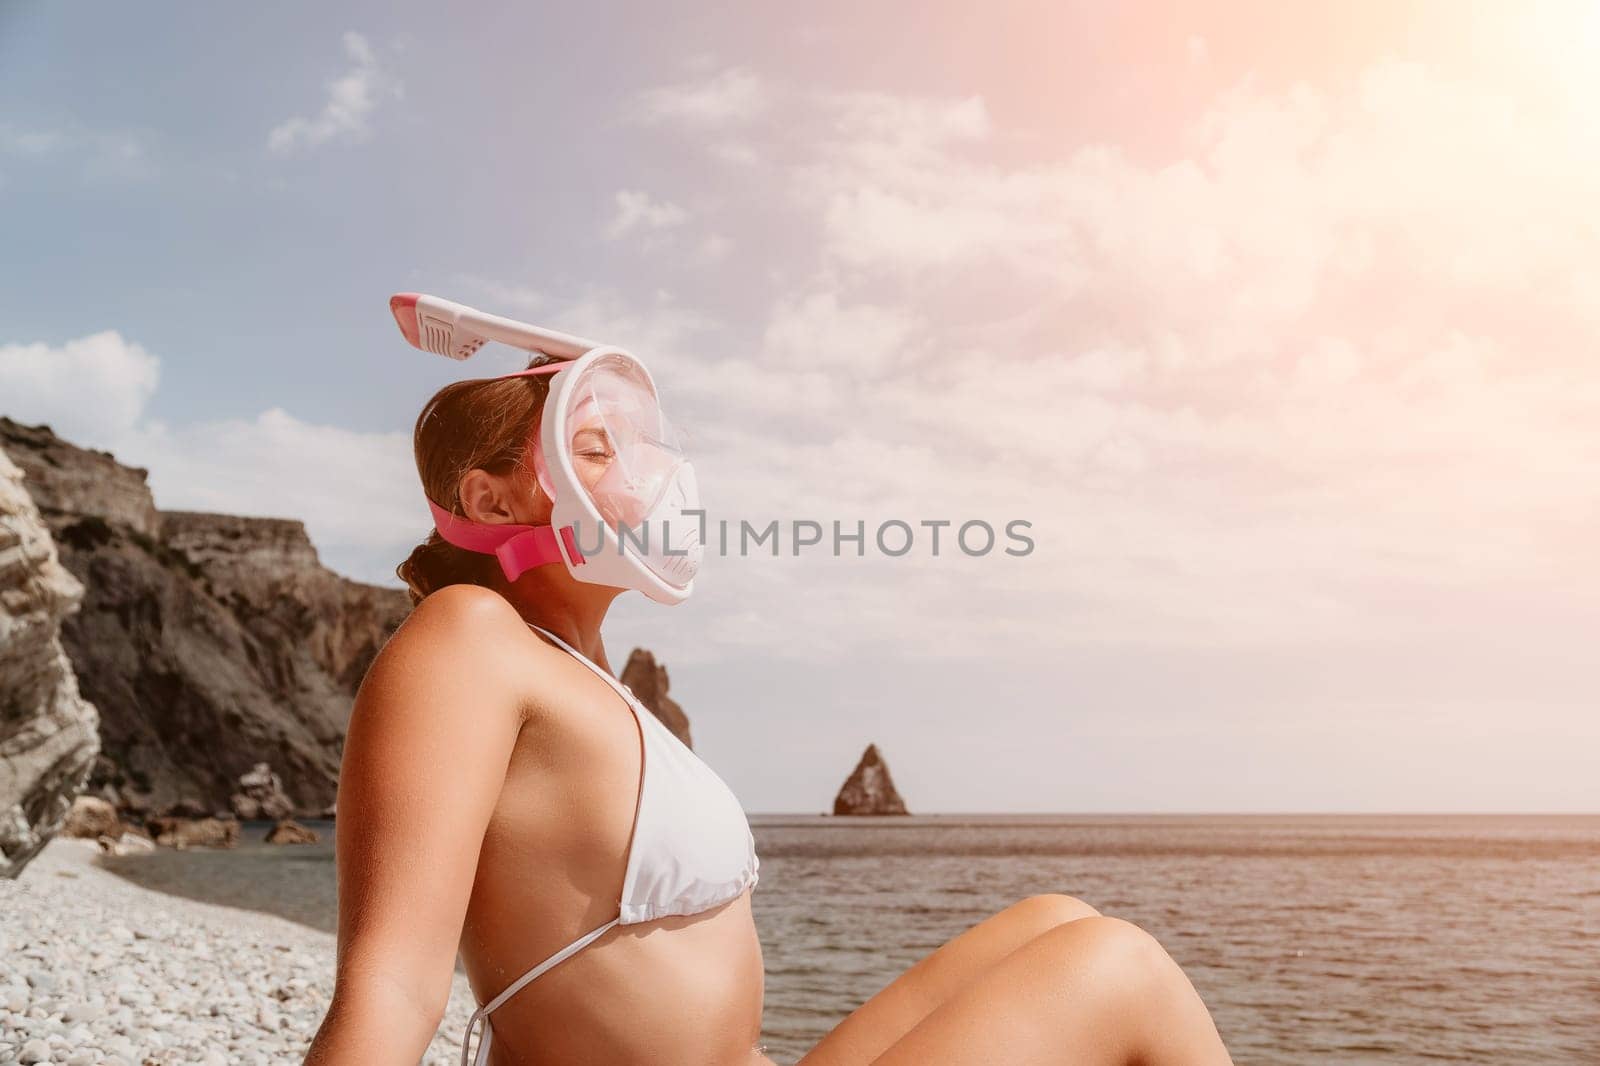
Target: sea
[[1346, 939]]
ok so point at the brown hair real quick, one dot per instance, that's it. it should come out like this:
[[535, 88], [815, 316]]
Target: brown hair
[[481, 423]]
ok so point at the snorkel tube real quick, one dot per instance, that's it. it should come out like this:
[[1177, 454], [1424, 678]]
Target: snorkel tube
[[444, 327]]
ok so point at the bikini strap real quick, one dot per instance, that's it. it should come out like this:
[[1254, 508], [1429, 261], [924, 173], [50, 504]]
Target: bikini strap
[[483, 1012], [622, 690], [561, 956]]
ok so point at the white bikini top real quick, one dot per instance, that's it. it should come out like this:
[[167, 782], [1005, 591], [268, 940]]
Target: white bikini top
[[692, 848]]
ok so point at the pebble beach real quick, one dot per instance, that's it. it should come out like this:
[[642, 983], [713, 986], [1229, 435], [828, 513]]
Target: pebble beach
[[95, 969]]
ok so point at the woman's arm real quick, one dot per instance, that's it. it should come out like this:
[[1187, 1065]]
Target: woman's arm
[[430, 738]]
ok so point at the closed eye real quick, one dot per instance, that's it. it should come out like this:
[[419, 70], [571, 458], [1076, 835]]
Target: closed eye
[[593, 443]]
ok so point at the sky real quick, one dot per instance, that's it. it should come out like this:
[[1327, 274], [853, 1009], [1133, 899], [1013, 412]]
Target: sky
[[1278, 324]]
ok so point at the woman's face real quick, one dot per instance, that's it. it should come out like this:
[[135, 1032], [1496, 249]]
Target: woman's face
[[592, 452], [602, 472], [593, 455], [620, 448]]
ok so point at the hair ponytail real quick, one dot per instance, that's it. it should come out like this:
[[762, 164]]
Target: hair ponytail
[[436, 562]]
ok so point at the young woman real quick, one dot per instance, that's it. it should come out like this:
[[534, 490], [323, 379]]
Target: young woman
[[502, 796]]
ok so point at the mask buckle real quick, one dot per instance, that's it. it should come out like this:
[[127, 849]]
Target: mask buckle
[[535, 546]]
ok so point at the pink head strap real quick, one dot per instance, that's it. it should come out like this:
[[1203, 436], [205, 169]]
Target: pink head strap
[[518, 547]]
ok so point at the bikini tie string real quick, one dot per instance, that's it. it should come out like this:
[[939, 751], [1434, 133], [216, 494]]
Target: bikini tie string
[[479, 1015]]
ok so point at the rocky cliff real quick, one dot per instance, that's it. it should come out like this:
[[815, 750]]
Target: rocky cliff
[[210, 643], [47, 731], [869, 789], [647, 679]]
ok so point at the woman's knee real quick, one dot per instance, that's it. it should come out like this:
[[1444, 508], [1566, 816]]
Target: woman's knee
[[1048, 910], [1112, 952]]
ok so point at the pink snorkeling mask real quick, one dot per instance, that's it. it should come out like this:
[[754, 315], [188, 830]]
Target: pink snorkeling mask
[[625, 503]]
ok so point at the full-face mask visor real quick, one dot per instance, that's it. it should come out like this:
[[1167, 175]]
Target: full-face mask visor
[[603, 428], [623, 449]]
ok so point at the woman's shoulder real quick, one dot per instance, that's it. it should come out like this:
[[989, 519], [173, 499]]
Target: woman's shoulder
[[463, 650], [464, 602], [458, 629], [473, 634], [458, 618]]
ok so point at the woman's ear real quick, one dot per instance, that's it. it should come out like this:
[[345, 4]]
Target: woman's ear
[[485, 498]]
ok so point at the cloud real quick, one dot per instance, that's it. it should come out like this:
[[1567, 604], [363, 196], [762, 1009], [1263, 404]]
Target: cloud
[[713, 248], [870, 124], [352, 489], [814, 329], [637, 210], [729, 97], [728, 110], [352, 99], [92, 388], [102, 154], [21, 142]]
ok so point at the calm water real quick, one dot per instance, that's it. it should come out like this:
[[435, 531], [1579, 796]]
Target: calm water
[[1381, 939]]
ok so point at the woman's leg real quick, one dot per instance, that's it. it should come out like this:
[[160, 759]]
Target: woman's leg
[[1095, 992], [912, 996]]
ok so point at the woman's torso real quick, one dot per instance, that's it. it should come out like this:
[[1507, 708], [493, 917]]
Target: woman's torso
[[681, 989]]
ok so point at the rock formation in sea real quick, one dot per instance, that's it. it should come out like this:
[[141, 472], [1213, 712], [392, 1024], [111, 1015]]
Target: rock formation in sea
[[209, 642], [869, 789], [647, 679], [48, 738]]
